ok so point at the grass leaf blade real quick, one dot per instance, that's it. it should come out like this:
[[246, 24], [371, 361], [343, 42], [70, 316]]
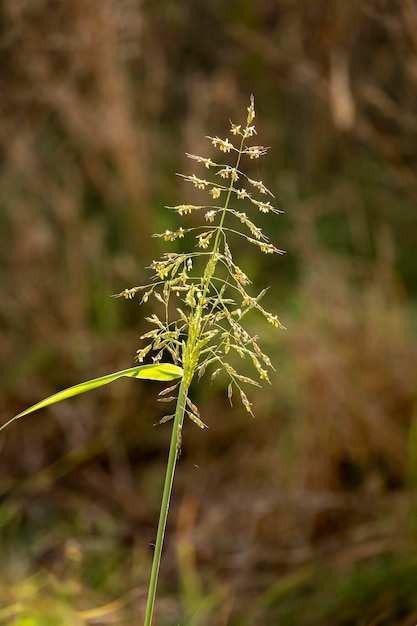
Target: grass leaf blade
[[161, 371]]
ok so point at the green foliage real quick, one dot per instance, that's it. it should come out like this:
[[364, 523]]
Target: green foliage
[[160, 371]]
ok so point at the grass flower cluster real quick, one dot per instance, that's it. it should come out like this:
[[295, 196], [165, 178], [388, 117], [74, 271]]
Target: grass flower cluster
[[204, 294], [204, 310]]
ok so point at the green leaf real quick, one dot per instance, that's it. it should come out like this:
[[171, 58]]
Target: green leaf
[[159, 371]]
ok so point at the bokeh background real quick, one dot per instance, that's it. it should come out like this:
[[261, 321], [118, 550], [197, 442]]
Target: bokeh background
[[307, 514]]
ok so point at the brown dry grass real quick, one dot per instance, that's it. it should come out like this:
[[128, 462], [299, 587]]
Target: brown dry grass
[[98, 103]]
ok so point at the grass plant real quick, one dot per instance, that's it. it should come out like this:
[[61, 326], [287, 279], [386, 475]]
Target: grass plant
[[204, 297]]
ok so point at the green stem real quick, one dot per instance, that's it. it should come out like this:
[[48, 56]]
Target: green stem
[[166, 496]]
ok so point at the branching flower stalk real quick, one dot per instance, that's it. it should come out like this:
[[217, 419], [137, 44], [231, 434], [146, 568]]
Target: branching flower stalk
[[208, 306]]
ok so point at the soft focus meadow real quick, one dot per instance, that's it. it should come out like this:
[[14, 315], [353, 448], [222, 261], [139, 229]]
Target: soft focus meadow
[[307, 514]]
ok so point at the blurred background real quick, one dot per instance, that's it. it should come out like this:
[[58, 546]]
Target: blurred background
[[307, 514]]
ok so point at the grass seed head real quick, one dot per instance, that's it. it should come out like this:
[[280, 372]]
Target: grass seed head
[[202, 324]]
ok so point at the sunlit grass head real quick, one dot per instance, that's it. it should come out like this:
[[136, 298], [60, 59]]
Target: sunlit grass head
[[204, 293]]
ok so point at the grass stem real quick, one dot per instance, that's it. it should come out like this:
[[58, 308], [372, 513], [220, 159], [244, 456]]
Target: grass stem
[[174, 450]]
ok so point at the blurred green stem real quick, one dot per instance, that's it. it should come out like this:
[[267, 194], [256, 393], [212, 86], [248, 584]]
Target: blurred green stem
[[174, 450]]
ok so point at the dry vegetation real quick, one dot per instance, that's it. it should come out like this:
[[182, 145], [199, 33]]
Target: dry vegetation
[[305, 515]]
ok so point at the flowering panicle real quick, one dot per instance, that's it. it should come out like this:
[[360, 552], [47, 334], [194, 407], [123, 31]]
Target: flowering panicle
[[204, 310]]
